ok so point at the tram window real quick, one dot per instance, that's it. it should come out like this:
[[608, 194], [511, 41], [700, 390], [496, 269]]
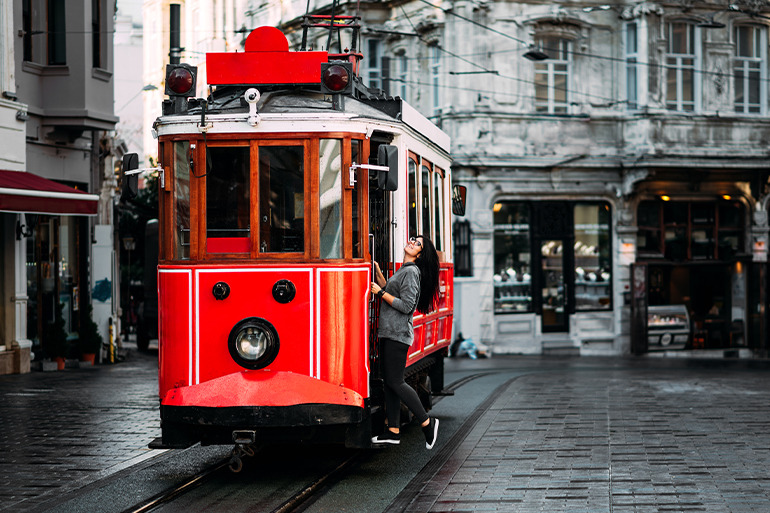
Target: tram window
[[281, 199], [412, 197], [227, 200], [425, 197], [355, 150], [438, 205], [181, 201], [330, 203]]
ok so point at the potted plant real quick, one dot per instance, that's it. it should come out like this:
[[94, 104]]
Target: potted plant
[[90, 340], [56, 344]]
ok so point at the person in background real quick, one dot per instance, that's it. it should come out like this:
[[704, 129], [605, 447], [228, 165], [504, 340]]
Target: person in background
[[413, 286]]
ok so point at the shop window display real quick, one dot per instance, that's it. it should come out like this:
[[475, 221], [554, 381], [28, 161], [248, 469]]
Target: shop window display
[[592, 257], [512, 278]]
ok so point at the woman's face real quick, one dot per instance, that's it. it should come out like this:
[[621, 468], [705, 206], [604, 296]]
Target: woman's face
[[413, 247]]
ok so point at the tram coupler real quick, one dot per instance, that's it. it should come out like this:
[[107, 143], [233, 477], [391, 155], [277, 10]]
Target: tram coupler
[[244, 437]]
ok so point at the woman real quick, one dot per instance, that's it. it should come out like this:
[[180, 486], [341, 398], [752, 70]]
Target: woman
[[413, 286]]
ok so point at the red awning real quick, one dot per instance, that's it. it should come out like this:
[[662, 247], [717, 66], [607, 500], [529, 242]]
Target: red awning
[[24, 192]]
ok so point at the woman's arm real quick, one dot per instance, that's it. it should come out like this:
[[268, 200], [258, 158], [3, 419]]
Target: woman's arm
[[379, 278]]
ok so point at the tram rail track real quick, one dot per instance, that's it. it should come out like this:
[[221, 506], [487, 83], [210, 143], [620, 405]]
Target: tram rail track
[[305, 496]]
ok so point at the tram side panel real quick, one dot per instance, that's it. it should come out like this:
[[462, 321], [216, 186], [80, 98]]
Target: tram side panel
[[175, 329], [343, 332]]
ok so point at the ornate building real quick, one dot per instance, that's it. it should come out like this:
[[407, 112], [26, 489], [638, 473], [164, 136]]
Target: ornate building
[[594, 139]]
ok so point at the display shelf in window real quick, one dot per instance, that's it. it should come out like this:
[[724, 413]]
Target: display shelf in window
[[668, 327], [513, 292]]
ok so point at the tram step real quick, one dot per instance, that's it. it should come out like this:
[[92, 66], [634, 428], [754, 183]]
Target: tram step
[[158, 444]]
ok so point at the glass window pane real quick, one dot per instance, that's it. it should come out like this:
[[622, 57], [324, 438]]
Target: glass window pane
[[675, 213], [676, 243], [648, 214], [648, 241], [687, 85], [412, 179], [560, 89], [281, 199], [330, 190], [730, 215], [631, 85], [512, 279], [227, 200], [357, 198], [541, 88], [702, 243], [745, 45], [438, 187], [425, 199], [739, 87], [677, 38], [592, 257], [703, 213], [754, 87], [181, 201], [671, 89], [631, 38]]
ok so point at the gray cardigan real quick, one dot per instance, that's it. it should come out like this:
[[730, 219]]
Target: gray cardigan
[[396, 321]]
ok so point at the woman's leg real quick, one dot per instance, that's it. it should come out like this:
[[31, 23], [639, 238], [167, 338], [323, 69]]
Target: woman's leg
[[396, 390]]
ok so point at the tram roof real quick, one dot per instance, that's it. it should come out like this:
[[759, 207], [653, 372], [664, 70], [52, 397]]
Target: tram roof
[[296, 101], [290, 83]]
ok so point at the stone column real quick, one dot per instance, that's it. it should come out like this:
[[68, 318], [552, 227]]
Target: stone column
[[22, 346]]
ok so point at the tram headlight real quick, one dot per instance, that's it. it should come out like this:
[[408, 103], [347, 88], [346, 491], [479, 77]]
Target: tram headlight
[[253, 343]]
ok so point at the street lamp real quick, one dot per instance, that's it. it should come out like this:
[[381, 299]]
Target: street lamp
[[535, 54]]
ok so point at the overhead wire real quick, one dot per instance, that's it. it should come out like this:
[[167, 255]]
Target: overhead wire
[[589, 55], [610, 101]]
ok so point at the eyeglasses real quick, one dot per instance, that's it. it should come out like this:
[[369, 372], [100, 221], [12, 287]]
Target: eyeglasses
[[414, 241]]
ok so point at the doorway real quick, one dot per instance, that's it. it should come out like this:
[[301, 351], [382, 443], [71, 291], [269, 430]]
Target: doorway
[[553, 286]]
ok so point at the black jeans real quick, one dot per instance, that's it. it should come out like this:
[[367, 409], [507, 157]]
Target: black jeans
[[393, 363]]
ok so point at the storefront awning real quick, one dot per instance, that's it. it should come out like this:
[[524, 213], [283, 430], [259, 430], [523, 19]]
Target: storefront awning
[[26, 192]]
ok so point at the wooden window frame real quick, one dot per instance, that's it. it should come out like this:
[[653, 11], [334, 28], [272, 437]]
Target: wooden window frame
[[310, 144]]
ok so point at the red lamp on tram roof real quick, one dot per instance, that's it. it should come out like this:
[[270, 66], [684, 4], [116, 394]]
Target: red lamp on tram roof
[[181, 80], [336, 77]]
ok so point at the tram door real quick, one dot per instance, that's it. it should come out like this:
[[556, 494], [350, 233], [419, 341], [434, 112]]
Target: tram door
[[380, 236]]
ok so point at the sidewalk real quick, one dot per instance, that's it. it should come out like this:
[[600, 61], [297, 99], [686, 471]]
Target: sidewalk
[[688, 437]]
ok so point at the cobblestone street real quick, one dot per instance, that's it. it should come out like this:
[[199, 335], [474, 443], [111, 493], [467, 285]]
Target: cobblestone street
[[682, 438], [553, 434], [61, 430]]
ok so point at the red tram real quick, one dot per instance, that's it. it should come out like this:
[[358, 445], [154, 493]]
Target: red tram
[[277, 192]]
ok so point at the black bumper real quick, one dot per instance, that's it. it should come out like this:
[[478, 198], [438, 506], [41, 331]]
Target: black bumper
[[183, 426]]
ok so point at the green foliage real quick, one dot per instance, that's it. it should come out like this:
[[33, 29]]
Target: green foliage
[[90, 340], [55, 343]]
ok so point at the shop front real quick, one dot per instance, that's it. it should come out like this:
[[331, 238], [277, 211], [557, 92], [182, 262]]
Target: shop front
[[46, 240], [697, 272], [553, 275]]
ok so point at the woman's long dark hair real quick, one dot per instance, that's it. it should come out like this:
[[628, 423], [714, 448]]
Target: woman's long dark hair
[[427, 262]]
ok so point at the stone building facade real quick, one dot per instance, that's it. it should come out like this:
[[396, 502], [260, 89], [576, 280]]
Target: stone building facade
[[594, 140], [56, 114]]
